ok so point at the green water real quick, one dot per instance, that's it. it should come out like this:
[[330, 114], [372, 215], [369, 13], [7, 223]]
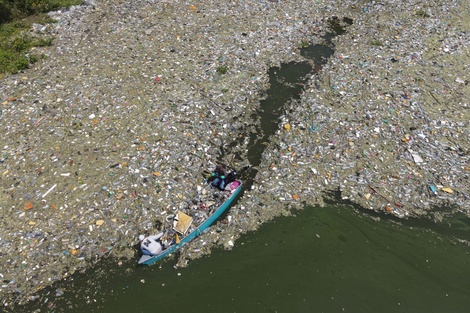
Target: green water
[[328, 259]]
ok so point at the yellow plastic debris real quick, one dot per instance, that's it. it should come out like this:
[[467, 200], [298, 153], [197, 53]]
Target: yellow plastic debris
[[447, 189], [287, 127], [99, 222]]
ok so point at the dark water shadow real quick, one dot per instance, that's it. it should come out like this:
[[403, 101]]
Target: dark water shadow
[[287, 83]]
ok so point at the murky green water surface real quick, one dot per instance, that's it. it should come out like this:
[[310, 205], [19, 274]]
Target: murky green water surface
[[322, 260]]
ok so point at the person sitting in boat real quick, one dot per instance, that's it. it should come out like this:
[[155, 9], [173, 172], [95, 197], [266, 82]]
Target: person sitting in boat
[[218, 177], [150, 245]]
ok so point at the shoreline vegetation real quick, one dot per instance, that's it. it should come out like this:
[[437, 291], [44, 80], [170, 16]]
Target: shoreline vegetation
[[17, 45]]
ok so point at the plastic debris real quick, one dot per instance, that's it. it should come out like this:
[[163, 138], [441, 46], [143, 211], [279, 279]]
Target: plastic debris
[[28, 206], [448, 190]]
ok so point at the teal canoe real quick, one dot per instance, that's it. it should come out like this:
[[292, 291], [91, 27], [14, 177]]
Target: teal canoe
[[201, 214]]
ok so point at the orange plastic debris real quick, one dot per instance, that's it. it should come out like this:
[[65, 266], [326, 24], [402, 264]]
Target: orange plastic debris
[[28, 206]]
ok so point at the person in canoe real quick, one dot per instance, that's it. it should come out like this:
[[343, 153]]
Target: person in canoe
[[150, 245], [218, 177]]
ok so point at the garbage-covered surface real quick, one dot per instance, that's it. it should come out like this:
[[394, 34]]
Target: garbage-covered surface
[[135, 99]]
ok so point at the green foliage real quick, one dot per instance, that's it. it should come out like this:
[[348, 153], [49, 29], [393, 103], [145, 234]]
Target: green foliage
[[303, 44], [6, 59], [222, 69], [21, 43], [21, 63], [33, 58], [376, 42], [5, 12], [43, 42], [16, 9], [422, 13], [16, 18]]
